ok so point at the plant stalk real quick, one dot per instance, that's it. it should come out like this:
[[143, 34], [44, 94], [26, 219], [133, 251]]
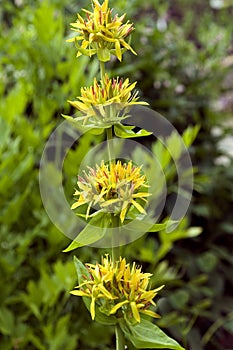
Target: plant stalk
[[109, 130], [115, 239], [120, 345], [115, 257], [110, 144], [102, 70]]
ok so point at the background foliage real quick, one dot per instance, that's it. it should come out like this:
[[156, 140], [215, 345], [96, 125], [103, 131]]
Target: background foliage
[[184, 70]]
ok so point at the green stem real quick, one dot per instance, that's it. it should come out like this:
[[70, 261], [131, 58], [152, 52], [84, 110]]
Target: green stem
[[120, 345], [115, 238], [110, 144], [115, 253], [102, 70], [109, 130]]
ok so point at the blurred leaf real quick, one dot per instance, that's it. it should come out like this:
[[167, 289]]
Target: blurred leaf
[[207, 261], [190, 134], [179, 299], [7, 324]]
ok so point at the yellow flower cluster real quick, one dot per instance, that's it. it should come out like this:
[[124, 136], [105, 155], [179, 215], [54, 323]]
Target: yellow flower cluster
[[116, 288], [101, 34], [94, 100], [114, 188]]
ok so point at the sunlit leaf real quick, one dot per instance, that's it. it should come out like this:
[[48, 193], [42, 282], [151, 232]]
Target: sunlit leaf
[[125, 131]]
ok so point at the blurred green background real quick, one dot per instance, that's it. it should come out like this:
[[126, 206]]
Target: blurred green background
[[184, 70]]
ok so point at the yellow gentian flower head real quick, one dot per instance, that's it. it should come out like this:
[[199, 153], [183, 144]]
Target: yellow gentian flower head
[[106, 102], [102, 34], [118, 289], [113, 188]]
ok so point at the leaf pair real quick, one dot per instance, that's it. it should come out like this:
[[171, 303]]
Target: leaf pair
[[100, 226]]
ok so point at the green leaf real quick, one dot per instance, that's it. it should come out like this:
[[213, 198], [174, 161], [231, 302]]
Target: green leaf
[[190, 134], [91, 234], [77, 123], [13, 210], [162, 154], [175, 145], [146, 335], [4, 132], [207, 261], [146, 225], [126, 132], [7, 325], [180, 233], [163, 226], [179, 299], [99, 316]]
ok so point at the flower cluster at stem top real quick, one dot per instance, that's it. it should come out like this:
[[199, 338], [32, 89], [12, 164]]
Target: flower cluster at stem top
[[102, 34], [118, 289]]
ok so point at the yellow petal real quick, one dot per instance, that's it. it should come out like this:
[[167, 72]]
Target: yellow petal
[[104, 6], [77, 204], [79, 293], [139, 207], [123, 213], [97, 4], [118, 50], [135, 311], [92, 308], [79, 105], [104, 37], [127, 46], [141, 194], [109, 202], [159, 288], [118, 306], [105, 292], [73, 39], [151, 313]]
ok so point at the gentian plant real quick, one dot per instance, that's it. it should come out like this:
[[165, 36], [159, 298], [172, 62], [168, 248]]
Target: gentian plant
[[114, 192]]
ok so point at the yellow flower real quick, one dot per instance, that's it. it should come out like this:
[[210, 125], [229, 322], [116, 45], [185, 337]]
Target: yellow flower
[[101, 34], [112, 188], [107, 102], [117, 288]]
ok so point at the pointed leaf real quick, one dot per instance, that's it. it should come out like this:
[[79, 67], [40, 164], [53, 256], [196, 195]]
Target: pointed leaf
[[163, 226], [125, 132], [146, 335], [91, 234]]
